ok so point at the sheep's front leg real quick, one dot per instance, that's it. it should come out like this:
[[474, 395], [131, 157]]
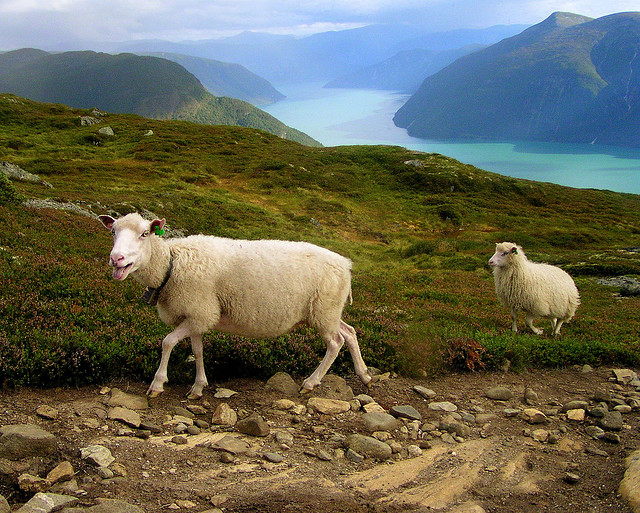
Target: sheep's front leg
[[556, 328], [201, 377], [334, 343], [529, 321], [157, 385]]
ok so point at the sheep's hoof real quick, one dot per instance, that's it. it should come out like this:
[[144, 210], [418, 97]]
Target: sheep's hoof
[[153, 393], [193, 395], [304, 390]]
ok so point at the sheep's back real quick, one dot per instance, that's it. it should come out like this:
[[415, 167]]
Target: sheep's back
[[264, 287]]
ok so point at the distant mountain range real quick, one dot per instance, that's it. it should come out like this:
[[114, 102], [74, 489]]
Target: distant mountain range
[[321, 57], [126, 83], [568, 79], [404, 72]]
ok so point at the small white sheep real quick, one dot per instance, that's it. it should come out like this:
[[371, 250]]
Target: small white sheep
[[539, 290], [258, 289]]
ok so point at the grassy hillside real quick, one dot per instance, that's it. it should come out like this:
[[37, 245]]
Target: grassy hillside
[[126, 83], [567, 79], [419, 228]]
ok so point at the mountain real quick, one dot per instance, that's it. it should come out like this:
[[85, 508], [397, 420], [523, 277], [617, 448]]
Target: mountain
[[227, 79], [323, 56], [567, 79], [405, 71], [127, 83]]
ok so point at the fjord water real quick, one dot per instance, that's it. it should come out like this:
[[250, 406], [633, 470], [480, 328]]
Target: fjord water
[[360, 116]]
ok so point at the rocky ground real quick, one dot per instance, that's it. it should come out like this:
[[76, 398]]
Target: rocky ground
[[536, 441]]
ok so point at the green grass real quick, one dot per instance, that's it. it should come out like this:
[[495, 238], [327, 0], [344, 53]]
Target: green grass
[[420, 239]]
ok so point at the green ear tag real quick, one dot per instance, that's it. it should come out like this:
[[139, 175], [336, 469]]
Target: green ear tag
[[158, 230]]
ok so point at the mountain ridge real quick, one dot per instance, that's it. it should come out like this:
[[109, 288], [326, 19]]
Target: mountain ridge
[[568, 79], [127, 83]]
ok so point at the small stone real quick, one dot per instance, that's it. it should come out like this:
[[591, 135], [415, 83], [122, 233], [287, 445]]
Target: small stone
[[283, 404], [499, 394], [352, 455], [154, 428], [427, 393], [328, 406], [575, 405], [105, 472], [33, 484], [378, 421], [62, 472], [43, 502], [576, 415], [323, 455], [373, 407], [196, 409], [594, 432], [624, 376], [193, 430], [571, 478], [253, 425], [364, 399], [227, 457], [369, 446], [509, 412], [224, 415], [224, 393], [97, 455], [25, 440], [530, 396], [129, 417], [179, 440], [47, 412], [443, 406], [533, 416], [273, 457], [231, 444], [622, 408], [612, 421], [540, 435], [182, 412], [132, 402], [283, 383], [406, 412], [414, 451]]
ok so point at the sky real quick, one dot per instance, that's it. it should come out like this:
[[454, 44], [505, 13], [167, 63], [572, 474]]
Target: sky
[[83, 24]]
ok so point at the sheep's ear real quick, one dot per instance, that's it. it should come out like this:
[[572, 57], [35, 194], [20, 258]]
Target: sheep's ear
[[157, 226], [514, 250], [107, 221]]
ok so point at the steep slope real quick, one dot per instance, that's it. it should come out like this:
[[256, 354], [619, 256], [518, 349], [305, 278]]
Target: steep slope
[[148, 86], [227, 79], [569, 79]]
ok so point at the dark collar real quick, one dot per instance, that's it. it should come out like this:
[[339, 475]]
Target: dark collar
[[150, 295]]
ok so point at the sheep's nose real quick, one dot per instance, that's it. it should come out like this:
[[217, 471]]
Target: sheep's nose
[[115, 258]]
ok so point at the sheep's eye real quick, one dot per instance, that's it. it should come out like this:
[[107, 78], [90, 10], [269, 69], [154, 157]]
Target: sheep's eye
[[113, 231], [145, 234], [506, 253]]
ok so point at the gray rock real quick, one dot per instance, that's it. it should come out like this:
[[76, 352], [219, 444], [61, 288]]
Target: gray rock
[[624, 376], [97, 455], [612, 421], [333, 387], [443, 406], [47, 412], [594, 432], [273, 457], [231, 444], [601, 396], [129, 417], [183, 412], [283, 383], [530, 396], [405, 412], [575, 405], [499, 394], [224, 415], [458, 428], [253, 425], [378, 421], [130, 401], [47, 503], [106, 130], [427, 393], [352, 455], [15, 172], [365, 399], [369, 446], [25, 440]]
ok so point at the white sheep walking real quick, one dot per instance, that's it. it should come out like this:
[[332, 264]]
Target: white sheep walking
[[258, 289], [539, 290]]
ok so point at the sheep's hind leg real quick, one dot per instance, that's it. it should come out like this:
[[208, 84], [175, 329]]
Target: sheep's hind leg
[[529, 321], [157, 385], [514, 321], [349, 335], [556, 328], [334, 343], [201, 377]]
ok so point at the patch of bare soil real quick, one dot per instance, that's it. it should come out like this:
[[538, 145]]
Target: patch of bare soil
[[503, 465]]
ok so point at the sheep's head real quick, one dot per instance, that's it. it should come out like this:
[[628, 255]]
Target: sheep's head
[[131, 240], [504, 255]]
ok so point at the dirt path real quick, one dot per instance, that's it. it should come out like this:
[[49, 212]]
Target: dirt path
[[502, 464]]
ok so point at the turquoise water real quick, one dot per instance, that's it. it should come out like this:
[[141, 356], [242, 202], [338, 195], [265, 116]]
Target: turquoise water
[[358, 116]]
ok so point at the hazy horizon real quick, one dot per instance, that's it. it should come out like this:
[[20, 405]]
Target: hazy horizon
[[82, 24]]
